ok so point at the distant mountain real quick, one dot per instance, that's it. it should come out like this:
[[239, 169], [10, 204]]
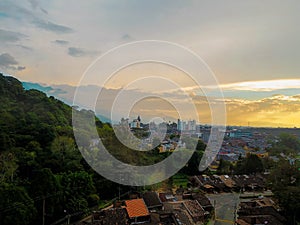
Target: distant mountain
[[28, 86], [107, 103]]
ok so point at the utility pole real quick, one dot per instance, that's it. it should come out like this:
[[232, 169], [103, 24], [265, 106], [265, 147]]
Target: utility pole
[[44, 204], [235, 212], [215, 211], [69, 216]]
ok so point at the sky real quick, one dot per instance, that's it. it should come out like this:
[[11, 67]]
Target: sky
[[252, 47]]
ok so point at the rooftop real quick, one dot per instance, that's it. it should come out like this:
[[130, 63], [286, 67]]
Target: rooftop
[[151, 199], [136, 208]]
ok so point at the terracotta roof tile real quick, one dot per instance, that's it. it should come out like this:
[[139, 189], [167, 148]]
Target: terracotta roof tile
[[136, 208]]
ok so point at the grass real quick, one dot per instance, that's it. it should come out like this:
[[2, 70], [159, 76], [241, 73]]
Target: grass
[[180, 180]]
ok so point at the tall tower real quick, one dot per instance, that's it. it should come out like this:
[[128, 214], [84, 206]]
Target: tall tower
[[179, 127], [138, 122]]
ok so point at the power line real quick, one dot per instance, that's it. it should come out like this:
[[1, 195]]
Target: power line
[[38, 198]]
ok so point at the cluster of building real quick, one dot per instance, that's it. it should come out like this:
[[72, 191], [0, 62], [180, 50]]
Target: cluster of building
[[155, 208], [226, 183], [238, 141], [190, 126], [170, 145], [259, 211]]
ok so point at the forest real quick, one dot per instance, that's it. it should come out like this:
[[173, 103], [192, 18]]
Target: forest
[[41, 169]]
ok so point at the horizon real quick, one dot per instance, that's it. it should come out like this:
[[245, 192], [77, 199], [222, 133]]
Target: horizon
[[67, 97], [250, 47]]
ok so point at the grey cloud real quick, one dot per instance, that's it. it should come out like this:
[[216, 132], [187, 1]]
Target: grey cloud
[[127, 37], [61, 42], [79, 52], [21, 68], [16, 12], [10, 36], [25, 47], [44, 10], [20, 13], [8, 62], [56, 28], [35, 4]]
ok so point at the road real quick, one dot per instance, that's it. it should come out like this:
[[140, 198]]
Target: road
[[225, 204]]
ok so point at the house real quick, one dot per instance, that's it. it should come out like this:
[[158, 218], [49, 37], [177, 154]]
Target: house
[[229, 183], [259, 211], [137, 211], [167, 197], [152, 200], [242, 222], [218, 184], [203, 201], [195, 210], [110, 216], [249, 182]]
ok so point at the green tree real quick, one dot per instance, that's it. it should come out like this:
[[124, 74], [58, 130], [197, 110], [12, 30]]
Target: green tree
[[192, 167], [289, 141], [16, 207], [287, 144], [249, 165], [77, 189], [65, 151], [225, 167], [8, 166], [200, 145], [46, 186], [285, 184]]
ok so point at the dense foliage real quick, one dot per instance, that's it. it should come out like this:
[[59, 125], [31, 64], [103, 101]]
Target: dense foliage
[[41, 169], [286, 144], [285, 177]]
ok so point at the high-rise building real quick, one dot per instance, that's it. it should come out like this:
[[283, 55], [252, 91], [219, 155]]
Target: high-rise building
[[191, 125], [179, 125]]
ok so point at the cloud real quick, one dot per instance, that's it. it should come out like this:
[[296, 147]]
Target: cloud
[[79, 52], [20, 68], [19, 13], [61, 42], [277, 110], [127, 37], [35, 4], [49, 26], [10, 36], [264, 85], [44, 10], [259, 85], [25, 47], [8, 62]]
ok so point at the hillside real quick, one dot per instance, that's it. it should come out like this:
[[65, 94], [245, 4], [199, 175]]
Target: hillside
[[40, 162]]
